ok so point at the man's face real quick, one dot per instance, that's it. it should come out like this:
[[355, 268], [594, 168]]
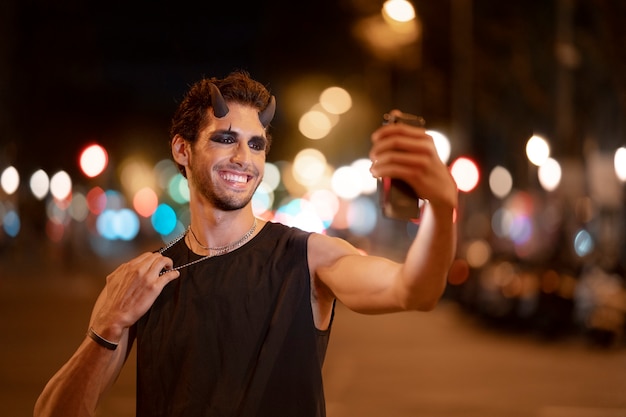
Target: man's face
[[227, 161]]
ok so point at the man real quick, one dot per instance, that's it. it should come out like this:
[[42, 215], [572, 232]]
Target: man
[[233, 317]]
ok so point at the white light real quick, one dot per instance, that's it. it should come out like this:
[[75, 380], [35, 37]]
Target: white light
[[325, 203], [271, 178], [61, 185], [399, 10], [442, 144], [537, 150], [309, 166], [10, 180], [343, 182], [549, 174], [368, 184], [93, 160], [465, 173], [39, 184], [620, 163]]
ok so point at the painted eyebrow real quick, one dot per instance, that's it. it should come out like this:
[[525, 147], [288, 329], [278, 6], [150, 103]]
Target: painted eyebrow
[[225, 132]]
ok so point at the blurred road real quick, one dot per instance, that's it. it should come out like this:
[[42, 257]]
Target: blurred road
[[438, 364]]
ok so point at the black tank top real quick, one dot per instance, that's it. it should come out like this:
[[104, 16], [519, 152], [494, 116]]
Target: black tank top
[[234, 335]]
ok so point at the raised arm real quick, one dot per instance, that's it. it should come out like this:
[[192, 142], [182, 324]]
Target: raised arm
[[371, 284], [130, 290]]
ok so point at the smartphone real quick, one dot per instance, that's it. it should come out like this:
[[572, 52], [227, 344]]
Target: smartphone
[[397, 198]]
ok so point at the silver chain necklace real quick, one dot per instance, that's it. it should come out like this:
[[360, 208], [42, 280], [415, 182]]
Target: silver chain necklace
[[212, 251]]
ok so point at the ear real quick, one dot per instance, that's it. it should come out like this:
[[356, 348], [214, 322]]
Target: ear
[[180, 150]]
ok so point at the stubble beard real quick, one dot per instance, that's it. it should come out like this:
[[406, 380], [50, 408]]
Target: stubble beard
[[220, 200]]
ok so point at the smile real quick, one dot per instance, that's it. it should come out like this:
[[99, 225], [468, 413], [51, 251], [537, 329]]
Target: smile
[[237, 178]]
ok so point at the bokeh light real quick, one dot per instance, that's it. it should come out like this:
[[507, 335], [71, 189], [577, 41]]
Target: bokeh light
[[325, 204], [93, 160], [136, 174], [11, 224], [500, 182], [178, 189], [549, 174], [114, 200], [78, 209], [309, 166], [10, 180], [336, 100], [118, 224], [57, 213], [60, 185], [96, 200], [315, 124], [620, 163], [300, 213], [164, 219], [583, 243], [145, 202], [465, 173], [362, 216], [163, 171], [367, 183], [399, 10], [478, 253], [39, 184], [442, 144], [271, 176], [537, 150], [263, 199]]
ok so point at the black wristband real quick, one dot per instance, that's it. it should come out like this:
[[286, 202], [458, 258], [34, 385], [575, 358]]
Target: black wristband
[[101, 340]]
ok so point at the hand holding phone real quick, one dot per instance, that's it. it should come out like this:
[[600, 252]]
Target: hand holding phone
[[398, 200]]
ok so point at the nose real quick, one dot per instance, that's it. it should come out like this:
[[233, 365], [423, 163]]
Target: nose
[[241, 155]]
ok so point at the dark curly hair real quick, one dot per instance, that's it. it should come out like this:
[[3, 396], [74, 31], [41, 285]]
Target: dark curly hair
[[191, 116]]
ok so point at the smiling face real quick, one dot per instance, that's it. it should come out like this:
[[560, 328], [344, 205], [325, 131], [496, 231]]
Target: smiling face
[[225, 165]]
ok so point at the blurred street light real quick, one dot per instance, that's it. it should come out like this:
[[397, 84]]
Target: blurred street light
[[550, 174], [537, 150], [10, 180], [399, 10]]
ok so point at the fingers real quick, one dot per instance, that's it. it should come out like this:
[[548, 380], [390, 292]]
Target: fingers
[[408, 153], [133, 287], [400, 138], [400, 129]]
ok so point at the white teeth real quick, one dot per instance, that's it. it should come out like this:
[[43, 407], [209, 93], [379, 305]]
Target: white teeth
[[235, 178]]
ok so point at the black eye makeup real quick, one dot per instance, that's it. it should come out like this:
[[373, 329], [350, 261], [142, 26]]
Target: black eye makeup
[[227, 137]]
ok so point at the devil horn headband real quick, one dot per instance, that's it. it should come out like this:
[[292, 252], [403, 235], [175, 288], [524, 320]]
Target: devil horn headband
[[220, 108]]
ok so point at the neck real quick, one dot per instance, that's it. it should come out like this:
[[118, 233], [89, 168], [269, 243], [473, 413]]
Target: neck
[[219, 230]]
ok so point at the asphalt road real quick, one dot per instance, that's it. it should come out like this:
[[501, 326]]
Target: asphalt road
[[437, 364]]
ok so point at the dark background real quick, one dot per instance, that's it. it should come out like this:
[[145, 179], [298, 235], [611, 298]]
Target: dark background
[[74, 71]]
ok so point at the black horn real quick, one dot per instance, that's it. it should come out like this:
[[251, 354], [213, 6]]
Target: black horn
[[267, 114], [220, 108]]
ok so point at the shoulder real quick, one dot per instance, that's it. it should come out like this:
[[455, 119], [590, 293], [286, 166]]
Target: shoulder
[[324, 251]]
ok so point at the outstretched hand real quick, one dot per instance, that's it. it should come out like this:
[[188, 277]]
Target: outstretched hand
[[409, 154]]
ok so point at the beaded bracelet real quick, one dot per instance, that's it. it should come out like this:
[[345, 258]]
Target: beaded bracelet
[[101, 340]]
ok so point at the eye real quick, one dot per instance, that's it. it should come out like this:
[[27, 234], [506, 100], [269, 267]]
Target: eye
[[224, 138], [258, 144]]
